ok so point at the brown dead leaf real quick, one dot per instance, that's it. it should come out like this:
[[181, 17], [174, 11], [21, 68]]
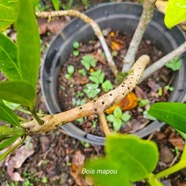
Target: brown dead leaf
[[161, 5], [76, 169], [176, 141], [54, 27], [116, 45], [21, 154]]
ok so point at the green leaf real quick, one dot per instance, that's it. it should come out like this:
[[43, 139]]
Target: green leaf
[[132, 158], [175, 12], [101, 77], [8, 142], [9, 150], [19, 92], [117, 112], [6, 114], [143, 102], [28, 43], [94, 79], [174, 64], [8, 13], [8, 58], [171, 113], [107, 85], [117, 124], [56, 4], [126, 117], [85, 64], [7, 132], [70, 69], [75, 44], [110, 118]]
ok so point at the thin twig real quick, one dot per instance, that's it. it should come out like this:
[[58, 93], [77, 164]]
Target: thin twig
[[160, 63], [89, 21], [104, 124], [93, 107], [148, 9]]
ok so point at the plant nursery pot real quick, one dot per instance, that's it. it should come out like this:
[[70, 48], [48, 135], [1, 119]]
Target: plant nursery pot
[[117, 16]]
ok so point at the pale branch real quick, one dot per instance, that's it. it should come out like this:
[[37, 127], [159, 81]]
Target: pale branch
[[96, 106], [148, 9], [104, 124], [89, 21], [160, 63]]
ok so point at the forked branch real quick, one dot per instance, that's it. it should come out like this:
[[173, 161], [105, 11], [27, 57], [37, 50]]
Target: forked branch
[[96, 106], [89, 21]]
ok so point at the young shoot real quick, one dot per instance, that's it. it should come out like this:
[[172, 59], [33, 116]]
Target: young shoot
[[175, 64], [92, 90], [88, 61], [97, 77], [118, 118], [107, 86], [75, 48], [70, 71]]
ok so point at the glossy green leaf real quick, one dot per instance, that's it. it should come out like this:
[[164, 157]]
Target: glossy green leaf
[[18, 92], [8, 142], [6, 114], [171, 113], [9, 132], [128, 159], [175, 12], [8, 58], [8, 13], [28, 43]]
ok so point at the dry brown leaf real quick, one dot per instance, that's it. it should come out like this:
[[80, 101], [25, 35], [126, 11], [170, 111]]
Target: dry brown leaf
[[21, 154], [176, 141], [76, 169], [161, 5]]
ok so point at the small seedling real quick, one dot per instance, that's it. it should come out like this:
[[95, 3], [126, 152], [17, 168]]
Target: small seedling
[[114, 53], [62, 88], [85, 144], [92, 90], [118, 118], [143, 102], [160, 91], [76, 47], [70, 71], [169, 88], [174, 64], [78, 102], [82, 72], [107, 85], [88, 61], [97, 77], [80, 120]]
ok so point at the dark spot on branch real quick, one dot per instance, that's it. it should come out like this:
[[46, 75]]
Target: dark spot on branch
[[103, 102], [95, 109], [81, 108], [110, 94]]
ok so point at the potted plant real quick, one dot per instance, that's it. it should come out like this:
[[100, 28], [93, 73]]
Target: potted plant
[[117, 16], [21, 88]]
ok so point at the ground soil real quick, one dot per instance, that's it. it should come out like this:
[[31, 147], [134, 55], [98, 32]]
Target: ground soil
[[57, 156]]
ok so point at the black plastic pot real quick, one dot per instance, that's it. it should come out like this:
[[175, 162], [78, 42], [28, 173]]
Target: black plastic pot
[[117, 16]]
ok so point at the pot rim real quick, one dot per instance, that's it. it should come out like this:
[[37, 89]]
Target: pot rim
[[55, 53]]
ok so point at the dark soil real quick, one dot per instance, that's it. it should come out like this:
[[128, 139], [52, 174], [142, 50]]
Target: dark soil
[[68, 89]]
